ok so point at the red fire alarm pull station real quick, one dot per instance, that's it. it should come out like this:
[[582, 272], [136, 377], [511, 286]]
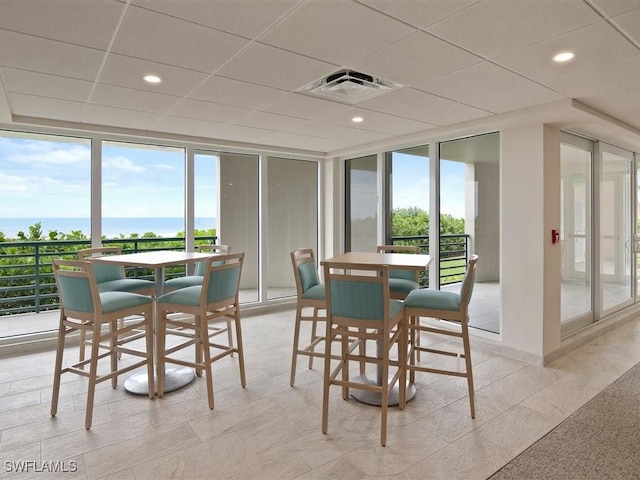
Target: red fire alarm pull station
[[555, 236]]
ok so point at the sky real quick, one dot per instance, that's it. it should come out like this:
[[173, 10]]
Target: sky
[[51, 178], [411, 184]]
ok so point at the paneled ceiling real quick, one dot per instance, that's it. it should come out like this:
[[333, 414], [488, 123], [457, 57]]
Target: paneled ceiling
[[231, 70]]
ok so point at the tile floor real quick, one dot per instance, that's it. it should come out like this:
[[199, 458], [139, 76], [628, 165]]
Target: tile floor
[[272, 431]]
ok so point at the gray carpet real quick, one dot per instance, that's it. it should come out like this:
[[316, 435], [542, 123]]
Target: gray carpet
[[599, 441]]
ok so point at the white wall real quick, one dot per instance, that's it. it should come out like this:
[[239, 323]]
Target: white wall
[[530, 263]]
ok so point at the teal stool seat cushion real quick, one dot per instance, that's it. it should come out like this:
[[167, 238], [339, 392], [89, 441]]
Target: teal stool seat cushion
[[402, 286], [433, 300], [189, 296], [184, 282], [314, 293], [125, 285], [114, 301]]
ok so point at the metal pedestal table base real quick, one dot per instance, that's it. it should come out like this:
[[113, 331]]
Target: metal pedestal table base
[[374, 398], [175, 377]]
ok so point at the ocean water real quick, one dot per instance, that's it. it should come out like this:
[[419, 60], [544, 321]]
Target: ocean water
[[111, 227]]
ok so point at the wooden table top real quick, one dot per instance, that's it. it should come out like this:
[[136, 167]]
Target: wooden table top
[[154, 259], [396, 260]]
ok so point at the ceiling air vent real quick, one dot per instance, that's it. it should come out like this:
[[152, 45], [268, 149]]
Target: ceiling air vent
[[348, 86]]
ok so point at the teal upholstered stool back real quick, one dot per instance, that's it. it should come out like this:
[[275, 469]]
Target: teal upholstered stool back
[[107, 273], [74, 289], [223, 282], [104, 272], [308, 275], [469, 280], [357, 299]]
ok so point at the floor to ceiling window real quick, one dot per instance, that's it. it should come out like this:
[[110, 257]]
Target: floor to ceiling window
[[239, 216], [575, 232], [361, 180], [408, 197], [616, 245], [597, 238], [206, 189], [46, 186], [143, 190], [470, 222], [45, 198], [292, 191]]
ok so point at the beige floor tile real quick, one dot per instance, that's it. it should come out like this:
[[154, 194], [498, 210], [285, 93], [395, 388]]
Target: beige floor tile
[[517, 428], [270, 430]]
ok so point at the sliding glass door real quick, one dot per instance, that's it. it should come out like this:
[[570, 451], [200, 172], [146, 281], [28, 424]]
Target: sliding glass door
[[617, 259], [292, 187], [470, 222], [361, 180], [599, 218], [408, 197], [575, 232]]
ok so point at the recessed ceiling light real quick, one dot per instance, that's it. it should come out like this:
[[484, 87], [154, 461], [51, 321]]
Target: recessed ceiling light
[[152, 79], [564, 57], [357, 119]]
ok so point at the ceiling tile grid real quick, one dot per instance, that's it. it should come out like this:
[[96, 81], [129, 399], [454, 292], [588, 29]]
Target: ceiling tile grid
[[232, 70]]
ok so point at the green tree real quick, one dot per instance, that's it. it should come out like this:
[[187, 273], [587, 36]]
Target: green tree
[[409, 221]]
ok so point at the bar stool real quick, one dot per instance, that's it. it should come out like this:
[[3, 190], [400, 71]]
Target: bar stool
[[83, 307], [450, 309]]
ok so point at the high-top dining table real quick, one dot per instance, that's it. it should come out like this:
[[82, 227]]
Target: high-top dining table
[[409, 261], [175, 376]]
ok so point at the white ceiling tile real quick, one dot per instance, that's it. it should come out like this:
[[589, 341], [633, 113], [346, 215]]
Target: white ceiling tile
[[275, 68], [189, 126], [630, 23], [89, 24], [212, 112], [423, 107], [164, 39], [128, 72], [521, 97], [415, 59], [595, 44], [48, 56], [420, 13], [493, 27], [43, 85], [234, 92], [240, 133], [589, 85], [378, 122], [354, 136], [305, 142], [271, 121], [230, 16], [340, 34], [612, 8], [475, 81], [119, 117], [113, 96], [303, 106], [32, 106]]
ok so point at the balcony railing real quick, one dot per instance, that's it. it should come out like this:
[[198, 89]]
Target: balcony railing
[[454, 255], [27, 284]]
